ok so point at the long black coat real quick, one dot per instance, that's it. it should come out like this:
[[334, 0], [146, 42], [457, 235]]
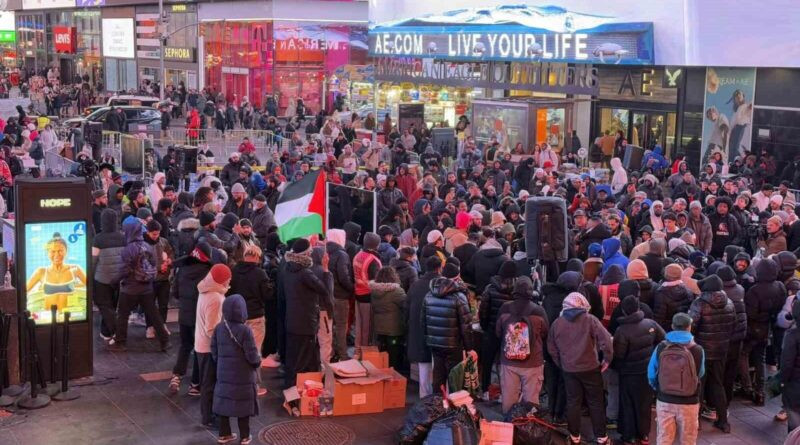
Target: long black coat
[[764, 300], [417, 348], [250, 281], [713, 323], [303, 291]]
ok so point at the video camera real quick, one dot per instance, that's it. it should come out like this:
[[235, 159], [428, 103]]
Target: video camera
[[87, 168]]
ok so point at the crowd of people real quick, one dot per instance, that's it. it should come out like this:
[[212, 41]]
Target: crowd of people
[[679, 288]]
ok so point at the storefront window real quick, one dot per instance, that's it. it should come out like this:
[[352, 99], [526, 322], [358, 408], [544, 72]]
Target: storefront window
[[120, 75], [507, 124], [443, 104], [615, 119], [31, 41], [550, 127]]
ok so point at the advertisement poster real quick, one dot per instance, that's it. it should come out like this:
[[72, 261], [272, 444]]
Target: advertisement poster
[[55, 269], [728, 113], [118, 38], [508, 125]]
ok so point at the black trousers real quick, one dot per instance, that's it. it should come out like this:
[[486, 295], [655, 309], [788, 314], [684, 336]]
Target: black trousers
[[105, 297], [489, 347], [443, 361], [281, 329], [713, 390], [394, 346], [208, 378], [127, 302], [186, 348], [635, 401], [556, 392], [161, 293], [586, 386], [731, 368], [302, 355], [225, 426], [270, 345]]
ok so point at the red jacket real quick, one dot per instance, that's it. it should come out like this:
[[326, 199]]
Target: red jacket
[[5, 172], [407, 184]]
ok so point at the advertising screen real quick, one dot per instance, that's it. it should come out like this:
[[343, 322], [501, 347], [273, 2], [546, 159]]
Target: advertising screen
[[118, 38], [55, 269]]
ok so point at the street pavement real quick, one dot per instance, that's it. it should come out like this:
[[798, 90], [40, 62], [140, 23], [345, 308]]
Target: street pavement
[[128, 403]]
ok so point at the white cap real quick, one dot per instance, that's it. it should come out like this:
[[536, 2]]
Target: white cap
[[434, 236]]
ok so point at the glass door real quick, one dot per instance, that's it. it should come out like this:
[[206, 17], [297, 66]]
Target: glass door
[[235, 87], [648, 129]]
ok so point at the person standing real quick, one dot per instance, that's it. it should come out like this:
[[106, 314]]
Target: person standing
[[521, 357], [676, 381], [634, 341], [735, 293], [417, 347], [106, 249], [790, 371], [164, 255], [325, 330], [366, 265], [212, 290], [343, 286], [497, 293], [574, 342], [388, 306]]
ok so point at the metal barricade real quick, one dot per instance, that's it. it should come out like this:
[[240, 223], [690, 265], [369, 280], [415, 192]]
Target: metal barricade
[[222, 145], [57, 166]]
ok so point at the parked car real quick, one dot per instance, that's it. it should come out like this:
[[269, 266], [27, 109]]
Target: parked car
[[135, 115], [122, 100]]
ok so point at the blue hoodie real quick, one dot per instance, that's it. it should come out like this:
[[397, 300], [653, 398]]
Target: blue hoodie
[[136, 269], [681, 337], [258, 182], [612, 255], [658, 157]]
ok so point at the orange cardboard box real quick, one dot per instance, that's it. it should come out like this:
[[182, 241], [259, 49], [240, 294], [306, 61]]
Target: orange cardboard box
[[307, 403], [378, 359], [360, 395], [394, 390]]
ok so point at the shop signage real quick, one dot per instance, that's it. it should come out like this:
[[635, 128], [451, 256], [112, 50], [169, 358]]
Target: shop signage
[[65, 39], [645, 83], [89, 3], [118, 38], [673, 76], [8, 36], [47, 4], [180, 54], [537, 76], [640, 85]]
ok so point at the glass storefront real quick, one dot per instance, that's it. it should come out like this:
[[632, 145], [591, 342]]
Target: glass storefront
[[289, 59], [121, 75], [443, 104], [180, 63], [643, 128]]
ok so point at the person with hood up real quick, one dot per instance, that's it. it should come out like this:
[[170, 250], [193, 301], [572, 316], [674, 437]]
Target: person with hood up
[[725, 228], [497, 293], [366, 265], [671, 296], [676, 414], [386, 251], [456, 236], [486, 263], [655, 259], [713, 324], [388, 309], [388, 196], [136, 286], [406, 267], [227, 233], [115, 196], [107, 265], [353, 233], [212, 290], [619, 180], [637, 271], [156, 190], [655, 160], [447, 323], [574, 342], [650, 186], [735, 293], [634, 341], [235, 352], [609, 291], [416, 341], [745, 274], [304, 291], [182, 209], [343, 286], [521, 357], [701, 226], [164, 256], [763, 302], [612, 255]]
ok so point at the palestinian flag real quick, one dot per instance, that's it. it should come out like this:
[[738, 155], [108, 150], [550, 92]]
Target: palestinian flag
[[301, 208]]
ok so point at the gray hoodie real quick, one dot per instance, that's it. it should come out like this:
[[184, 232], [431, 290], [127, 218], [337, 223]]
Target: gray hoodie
[[575, 340]]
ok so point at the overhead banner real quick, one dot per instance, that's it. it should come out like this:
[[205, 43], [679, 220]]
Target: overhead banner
[[118, 38], [47, 4], [519, 33], [728, 112]]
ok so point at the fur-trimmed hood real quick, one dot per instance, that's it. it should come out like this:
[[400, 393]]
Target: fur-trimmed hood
[[189, 224], [304, 261], [383, 287]]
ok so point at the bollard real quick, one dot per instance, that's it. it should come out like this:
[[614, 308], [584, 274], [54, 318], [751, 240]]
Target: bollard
[[35, 400], [52, 388], [9, 392], [65, 394]]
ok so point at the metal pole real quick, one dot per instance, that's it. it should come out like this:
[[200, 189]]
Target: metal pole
[[161, 36]]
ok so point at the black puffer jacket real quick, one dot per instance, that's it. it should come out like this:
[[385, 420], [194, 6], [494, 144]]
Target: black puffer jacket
[[342, 269], [447, 316], [646, 291], [494, 296], [106, 248], [250, 281], [406, 271], [761, 300], [353, 232], [417, 347], [634, 341], [668, 301], [713, 323], [555, 293], [735, 293], [485, 264]]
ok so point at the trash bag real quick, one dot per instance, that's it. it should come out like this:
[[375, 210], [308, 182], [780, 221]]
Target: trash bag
[[528, 429], [419, 419], [455, 428]]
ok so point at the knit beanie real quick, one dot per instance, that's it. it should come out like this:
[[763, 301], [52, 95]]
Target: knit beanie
[[672, 272], [627, 288], [206, 218], [237, 188], [302, 246], [450, 270], [371, 241], [144, 213], [523, 288], [726, 273], [575, 300], [637, 270], [629, 305], [697, 259], [433, 236], [508, 269], [711, 283], [462, 220], [221, 274]]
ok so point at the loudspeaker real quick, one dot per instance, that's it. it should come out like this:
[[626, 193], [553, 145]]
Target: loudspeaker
[[187, 157], [553, 211], [633, 157]]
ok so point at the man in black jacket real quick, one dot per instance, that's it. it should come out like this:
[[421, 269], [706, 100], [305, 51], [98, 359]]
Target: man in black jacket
[[735, 293], [726, 230], [671, 297], [107, 265], [485, 264], [447, 323], [404, 266], [303, 290], [497, 292], [416, 343], [634, 341], [99, 203], [343, 287], [713, 323]]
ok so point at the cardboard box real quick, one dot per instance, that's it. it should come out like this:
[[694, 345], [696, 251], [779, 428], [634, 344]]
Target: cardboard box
[[306, 402], [360, 395], [496, 433], [378, 359], [394, 390]]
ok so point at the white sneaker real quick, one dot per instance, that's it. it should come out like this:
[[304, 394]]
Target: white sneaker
[[150, 333], [137, 320], [271, 361]]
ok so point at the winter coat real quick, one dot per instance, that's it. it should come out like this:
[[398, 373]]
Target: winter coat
[[764, 300], [250, 281], [655, 265], [775, 243], [406, 271], [668, 301], [713, 323], [189, 275], [511, 312], [735, 293], [209, 312], [138, 261], [230, 173], [416, 345], [303, 292], [326, 299], [386, 252], [184, 237], [790, 365], [583, 240], [161, 248], [388, 308], [496, 294], [448, 322], [647, 289], [485, 264], [342, 270], [703, 233], [262, 220], [387, 197], [634, 341], [612, 255], [726, 232], [555, 293], [106, 249], [575, 339], [613, 325], [353, 231], [234, 350]]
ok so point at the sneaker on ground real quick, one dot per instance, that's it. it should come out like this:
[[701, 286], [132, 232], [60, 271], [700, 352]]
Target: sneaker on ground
[[246, 440], [150, 333], [261, 391], [781, 416], [708, 414], [106, 338], [175, 384], [574, 439], [270, 362], [194, 390], [227, 439], [603, 440]]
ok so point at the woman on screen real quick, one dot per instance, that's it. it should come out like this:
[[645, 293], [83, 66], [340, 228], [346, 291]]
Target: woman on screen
[[58, 280]]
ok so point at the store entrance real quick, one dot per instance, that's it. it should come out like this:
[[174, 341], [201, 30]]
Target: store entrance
[[642, 128], [235, 86]]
